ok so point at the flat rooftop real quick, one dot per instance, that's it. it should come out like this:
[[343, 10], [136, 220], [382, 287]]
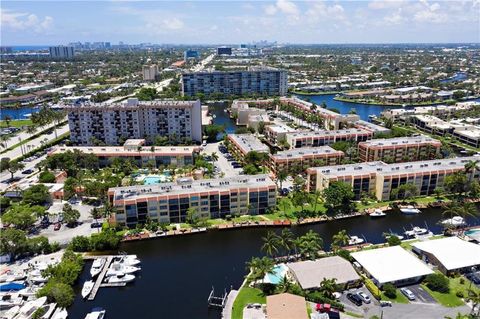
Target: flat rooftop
[[307, 152], [371, 126], [382, 168], [473, 133], [280, 128], [248, 143], [323, 133], [391, 264], [310, 273], [122, 151], [414, 140], [187, 186], [133, 104], [452, 252]]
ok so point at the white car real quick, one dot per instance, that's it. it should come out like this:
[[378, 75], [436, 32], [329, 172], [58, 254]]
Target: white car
[[408, 293], [365, 298]]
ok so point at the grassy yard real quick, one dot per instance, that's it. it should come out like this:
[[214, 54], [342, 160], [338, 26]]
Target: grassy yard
[[450, 299], [15, 123], [245, 296], [399, 299]]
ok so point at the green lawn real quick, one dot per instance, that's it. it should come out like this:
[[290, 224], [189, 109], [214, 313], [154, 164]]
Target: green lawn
[[399, 299], [447, 300], [15, 123], [245, 296]]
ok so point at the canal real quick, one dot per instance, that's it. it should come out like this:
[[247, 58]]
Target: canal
[[178, 273]]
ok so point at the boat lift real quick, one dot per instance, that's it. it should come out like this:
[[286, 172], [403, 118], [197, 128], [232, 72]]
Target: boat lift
[[217, 302]]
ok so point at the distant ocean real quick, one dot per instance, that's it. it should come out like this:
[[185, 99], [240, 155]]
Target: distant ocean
[[18, 48]]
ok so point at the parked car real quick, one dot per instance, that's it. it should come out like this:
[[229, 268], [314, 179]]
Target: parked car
[[57, 226], [95, 225], [475, 278], [365, 298], [27, 171], [355, 299], [408, 293], [385, 303]]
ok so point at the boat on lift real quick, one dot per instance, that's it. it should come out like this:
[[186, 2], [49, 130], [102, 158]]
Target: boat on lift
[[455, 221], [416, 231], [410, 210], [355, 240]]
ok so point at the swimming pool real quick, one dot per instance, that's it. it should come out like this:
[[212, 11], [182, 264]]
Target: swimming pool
[[473, 233], [277, 274], [157, 179]]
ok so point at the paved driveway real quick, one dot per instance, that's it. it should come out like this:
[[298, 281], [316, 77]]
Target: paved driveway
[[416, 311], [364, 308], [253, 313], [421, 295]]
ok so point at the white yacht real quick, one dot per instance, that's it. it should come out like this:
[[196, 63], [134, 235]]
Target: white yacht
[[388, 235], [10, 313], [410, 210], [120, 278], [60, 313], [118, 268], [28, 291], [49, 309], [416, 231], [10, 276], [10, 300], [129, 260], [377, 213], [87, 288], [27, 310], [96, 313], [455, 221], [355, 240], [97, 266]]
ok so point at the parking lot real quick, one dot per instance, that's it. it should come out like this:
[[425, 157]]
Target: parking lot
[[364, 308], [421, 295], [223, 164]]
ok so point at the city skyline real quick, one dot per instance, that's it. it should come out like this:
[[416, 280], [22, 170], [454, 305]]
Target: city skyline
[[212, 22]]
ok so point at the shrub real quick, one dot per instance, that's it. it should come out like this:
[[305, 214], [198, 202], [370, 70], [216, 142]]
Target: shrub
[[462, 281], [390, 290], [459, 294], [318, 297], [106, 240], [393, 241], [58, 292], [374, 290], [46, 177], [80, 244], [437, 282]]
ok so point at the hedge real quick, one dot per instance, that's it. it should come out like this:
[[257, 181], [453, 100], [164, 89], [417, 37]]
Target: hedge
[[374, 290]]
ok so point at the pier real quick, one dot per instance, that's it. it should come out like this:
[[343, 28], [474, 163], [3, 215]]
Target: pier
[[101, 276], [217, 302]]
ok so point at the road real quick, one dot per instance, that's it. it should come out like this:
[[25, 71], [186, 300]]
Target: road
[[29, 165], [222, 163], [202, 64], [33, 144], [23, 135]]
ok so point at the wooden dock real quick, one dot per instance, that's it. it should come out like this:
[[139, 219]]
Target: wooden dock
[[100, 278]]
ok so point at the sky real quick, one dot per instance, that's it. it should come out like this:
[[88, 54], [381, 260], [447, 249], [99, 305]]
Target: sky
[[233, 22]]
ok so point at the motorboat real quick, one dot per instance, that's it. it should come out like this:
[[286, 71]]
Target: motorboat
[[416, 231], [28, 308], [97, 266], [410, 210], [38, 279], [120, 278], [355, 240], [11, 300], [455, 221], [9, 277], [96, 313], [120, 268], [377, 213], [60, 313], [10, 313], [28, 292], [49, 309], [12, 286], [87, 288], [129, 260], [388, 235]]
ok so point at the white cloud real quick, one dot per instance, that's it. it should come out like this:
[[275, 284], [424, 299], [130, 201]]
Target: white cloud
[[156, 20], [394, 18], [430, 13], [173, 23], [25, 21], [270, 10], [287, 7], [385, 4], [321, 11]]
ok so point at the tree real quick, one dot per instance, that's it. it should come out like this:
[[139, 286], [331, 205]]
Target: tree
[[80, 244], [20, 215], [70, 215], [282, 177], [11, 166], [193, 216], [105, 240], [270, 244], [438, 282], [46, 177], [60, 293], [284, 285], [339, 198], [339, 240], [406, 191], [456, 183], [314, 200], [13, 241], [260, 267], [474, 297], [36, 195], [147, 94], [285, 240], [309, 245], [214, 157], [390, 290], [328, 287], [393, 240], [212, 131]]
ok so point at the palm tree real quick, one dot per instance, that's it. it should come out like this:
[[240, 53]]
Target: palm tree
[[254, 266], [328, 287], [315, 198], [339, 240], [284, 285], [282, 177], [31, 129], [474, 298], [270, 244], [285, 240], [214, 157], [471, 166], [468, 210]]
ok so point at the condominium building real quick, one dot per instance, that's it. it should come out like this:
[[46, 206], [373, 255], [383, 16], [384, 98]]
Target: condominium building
[[264, 81], [380, 179], [469, 136], [111, 123], [242, 144], [369, 126], [135, 151], [275, 134], [62, 52], [432, 124], [401, 149], [298, 160], [320, 138], [150, 72], [212, 198]]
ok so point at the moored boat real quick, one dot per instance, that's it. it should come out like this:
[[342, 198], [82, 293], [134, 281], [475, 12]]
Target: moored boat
[[416, 231], [355, 240], [410, 210], [120, 278], [455, 221], [96, 313], [121, 268], [87, 288], [97, 266], [377, 213]]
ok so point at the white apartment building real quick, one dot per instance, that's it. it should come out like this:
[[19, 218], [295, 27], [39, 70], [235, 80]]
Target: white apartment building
[[150, 72], [112, 123], [64, 52]]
